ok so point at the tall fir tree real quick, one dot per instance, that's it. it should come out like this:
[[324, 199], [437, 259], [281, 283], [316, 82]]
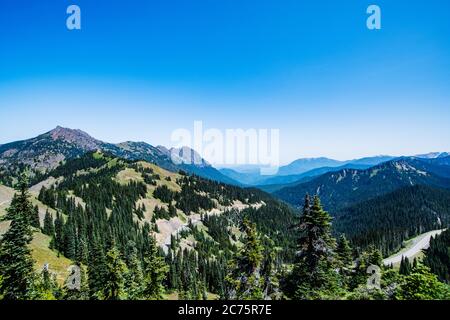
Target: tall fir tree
[[113, 287], [134, 277], [96, 270], [35, 222], [15, 256], [314, 275], [344, 251], [49, 228], [244, 279], [155, 271], [405, 266]]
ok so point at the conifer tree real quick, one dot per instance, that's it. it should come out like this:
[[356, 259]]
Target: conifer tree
[[15, 256], [244, 279], [134, 276], [48, 228], [314, 275], [344, 251], [59, 225], [405, 266], [96, 270], [35, 220], [113, 287], [155, 271]]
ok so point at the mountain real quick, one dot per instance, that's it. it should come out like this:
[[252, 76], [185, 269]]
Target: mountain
[[302, 165], [433, 155], [298, 170], [348, 186], [439, 161], [45, 152], [309, 174], [249, 178], [370, 161], [386, 221]]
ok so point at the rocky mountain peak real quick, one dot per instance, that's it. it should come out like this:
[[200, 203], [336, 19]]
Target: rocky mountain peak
[[75, 136]]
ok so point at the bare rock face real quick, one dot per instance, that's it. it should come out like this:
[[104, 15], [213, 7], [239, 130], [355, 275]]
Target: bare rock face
[[76, 137]]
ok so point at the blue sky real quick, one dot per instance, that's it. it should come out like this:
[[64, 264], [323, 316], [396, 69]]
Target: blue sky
[[140, 69]]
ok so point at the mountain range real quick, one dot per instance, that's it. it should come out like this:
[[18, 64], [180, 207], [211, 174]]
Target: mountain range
[[348, 186], [379, 201], [46, 151]]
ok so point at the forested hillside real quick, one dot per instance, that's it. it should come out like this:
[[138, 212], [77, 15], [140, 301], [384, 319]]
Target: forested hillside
[[438, 256], [100, 205], [349, 186], [388, 220]]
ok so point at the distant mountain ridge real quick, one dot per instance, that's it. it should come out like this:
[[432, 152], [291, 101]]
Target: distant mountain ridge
[[348, 186], [299, 169], [46, 151]]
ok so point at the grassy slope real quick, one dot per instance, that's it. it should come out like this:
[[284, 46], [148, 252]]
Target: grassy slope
[[43, 255], [40, 250]]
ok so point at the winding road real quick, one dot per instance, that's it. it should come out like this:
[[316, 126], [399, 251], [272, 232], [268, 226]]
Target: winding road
[[419, 243]]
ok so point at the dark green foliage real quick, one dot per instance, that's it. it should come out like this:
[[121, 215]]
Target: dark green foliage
[[164, 194], [162, 213], [245, 280], [49, 228], [314, 275], [97, 270], [421, 284], [113, 287], [437, 256], [155, 272], [350, 186], [15, 256], [344, 251], [405, 266], [35, 222], [389, 220], [134, 277]]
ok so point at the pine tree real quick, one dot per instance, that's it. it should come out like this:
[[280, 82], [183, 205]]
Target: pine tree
[[155, 271], [134, 277], [244, 279], [114, 282], [35, 220], [48, 228], [344, 251], [96, 270], [405, 266], [59, 225], [15, 256], [314, 275]]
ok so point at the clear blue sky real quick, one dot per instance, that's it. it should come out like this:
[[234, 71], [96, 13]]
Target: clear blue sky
[[140, 69]]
